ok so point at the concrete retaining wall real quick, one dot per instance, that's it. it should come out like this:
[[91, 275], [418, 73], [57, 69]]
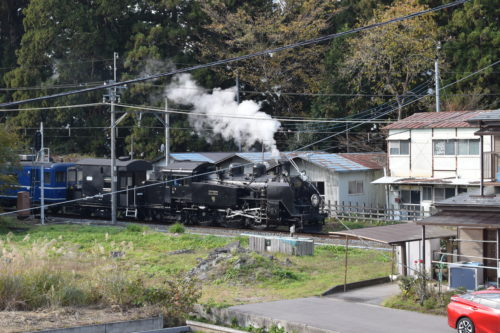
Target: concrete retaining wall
[[130, 326], [356, 285], [228, 317]]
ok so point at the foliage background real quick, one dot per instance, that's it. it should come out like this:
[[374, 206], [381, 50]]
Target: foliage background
[[48, 46]]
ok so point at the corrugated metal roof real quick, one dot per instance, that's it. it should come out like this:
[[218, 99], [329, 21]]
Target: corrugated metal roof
[[486, 116], [448, 119], [197, 157], [333, 162], [374, 161], [255, 157], [396, 233], [464, 219], [425, 181]]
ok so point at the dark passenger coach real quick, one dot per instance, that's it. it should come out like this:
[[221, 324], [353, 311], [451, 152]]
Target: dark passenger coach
[[91, 178]]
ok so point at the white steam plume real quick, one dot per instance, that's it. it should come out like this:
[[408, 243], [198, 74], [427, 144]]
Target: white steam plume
[[248, 125]]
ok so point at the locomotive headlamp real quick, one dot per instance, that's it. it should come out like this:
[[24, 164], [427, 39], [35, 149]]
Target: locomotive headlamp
[[315, 200]]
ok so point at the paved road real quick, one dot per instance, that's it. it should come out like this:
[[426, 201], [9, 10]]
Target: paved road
[[371, 295], [350, 313]]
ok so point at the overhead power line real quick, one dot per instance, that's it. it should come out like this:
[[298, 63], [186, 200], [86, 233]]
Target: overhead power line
[[239, 58]]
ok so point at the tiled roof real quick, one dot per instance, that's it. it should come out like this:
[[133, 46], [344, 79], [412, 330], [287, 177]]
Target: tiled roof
[[447, 119], [370, 160]]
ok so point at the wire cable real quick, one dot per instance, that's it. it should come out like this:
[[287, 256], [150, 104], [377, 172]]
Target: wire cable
[[239, 58]]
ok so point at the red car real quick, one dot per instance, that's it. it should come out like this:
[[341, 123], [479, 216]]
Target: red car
[[476, 312]]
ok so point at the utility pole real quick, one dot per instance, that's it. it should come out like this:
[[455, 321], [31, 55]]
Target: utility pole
[[436, 77], [167, 134], [112, 97], [42, 178], [238, 100]]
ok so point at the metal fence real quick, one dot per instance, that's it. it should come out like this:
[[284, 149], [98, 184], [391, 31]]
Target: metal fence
[[356, 211]]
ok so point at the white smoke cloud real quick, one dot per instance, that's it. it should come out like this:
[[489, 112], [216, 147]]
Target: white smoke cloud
[[248, 126]]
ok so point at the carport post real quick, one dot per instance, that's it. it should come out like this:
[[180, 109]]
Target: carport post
[[345, 270], [393, 259], [423, 248]]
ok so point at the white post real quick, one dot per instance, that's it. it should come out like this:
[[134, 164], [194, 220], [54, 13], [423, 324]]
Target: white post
[[42, 180], [238, 101], [113, 148], [167, 134], [436, 78]]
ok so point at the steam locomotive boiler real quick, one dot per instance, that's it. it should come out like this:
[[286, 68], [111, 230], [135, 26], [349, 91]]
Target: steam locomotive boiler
[[196, 193]]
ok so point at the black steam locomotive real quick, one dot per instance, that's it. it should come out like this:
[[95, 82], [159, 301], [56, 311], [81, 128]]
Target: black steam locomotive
[[197, 193]]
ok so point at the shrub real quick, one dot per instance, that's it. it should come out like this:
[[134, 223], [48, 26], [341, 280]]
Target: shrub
[[177, 228]]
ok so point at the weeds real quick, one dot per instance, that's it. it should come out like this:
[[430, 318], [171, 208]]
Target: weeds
[[177, 228], [48, 274], [136, 228]]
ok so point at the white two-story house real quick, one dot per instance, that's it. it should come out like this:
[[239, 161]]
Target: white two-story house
[[432, 156]]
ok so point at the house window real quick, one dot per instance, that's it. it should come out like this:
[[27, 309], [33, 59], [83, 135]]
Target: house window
[[462, 189], [427, 193], [443, 193], [355, 187], [399, 147], [320, 186], [468, 147], [444, 147], [410, 197]]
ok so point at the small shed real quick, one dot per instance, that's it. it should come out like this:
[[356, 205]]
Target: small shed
[[406, 240], [288, 245]]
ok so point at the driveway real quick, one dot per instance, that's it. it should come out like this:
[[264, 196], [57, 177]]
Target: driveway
[[351, 312]]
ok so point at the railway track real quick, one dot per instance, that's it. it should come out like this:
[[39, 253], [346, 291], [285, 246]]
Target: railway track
[[319, 238]]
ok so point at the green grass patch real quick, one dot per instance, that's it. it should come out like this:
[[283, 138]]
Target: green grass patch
[[333, 224], [79, 252], [177, 228]]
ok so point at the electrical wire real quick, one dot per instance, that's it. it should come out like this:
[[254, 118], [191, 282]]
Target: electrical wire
[[239, 58]]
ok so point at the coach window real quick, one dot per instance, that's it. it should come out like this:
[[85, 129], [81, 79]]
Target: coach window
[[60, 176], [72, 176], [106, 187], [46, 177]]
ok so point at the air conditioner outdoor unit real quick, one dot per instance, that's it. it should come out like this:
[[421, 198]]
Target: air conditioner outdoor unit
[[468, 275]]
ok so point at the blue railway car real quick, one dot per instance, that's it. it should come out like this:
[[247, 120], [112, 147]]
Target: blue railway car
[[28, 179]]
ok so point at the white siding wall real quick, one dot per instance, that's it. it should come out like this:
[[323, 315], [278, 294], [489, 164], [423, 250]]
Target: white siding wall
[[399, 165], [337, 184], [421, 153], [317, 174], [373, 195], [423, 163]]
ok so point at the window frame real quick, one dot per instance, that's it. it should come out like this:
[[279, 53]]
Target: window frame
[[357, 186], [398, 143]]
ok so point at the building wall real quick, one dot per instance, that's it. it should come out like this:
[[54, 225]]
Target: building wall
[[422, 163], [472, 249], [337, 184], [318, 174], [414, 255], [399, 165], [373, 195]]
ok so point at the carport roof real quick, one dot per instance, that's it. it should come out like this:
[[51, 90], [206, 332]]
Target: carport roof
[[396, 233], [464, 219]]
